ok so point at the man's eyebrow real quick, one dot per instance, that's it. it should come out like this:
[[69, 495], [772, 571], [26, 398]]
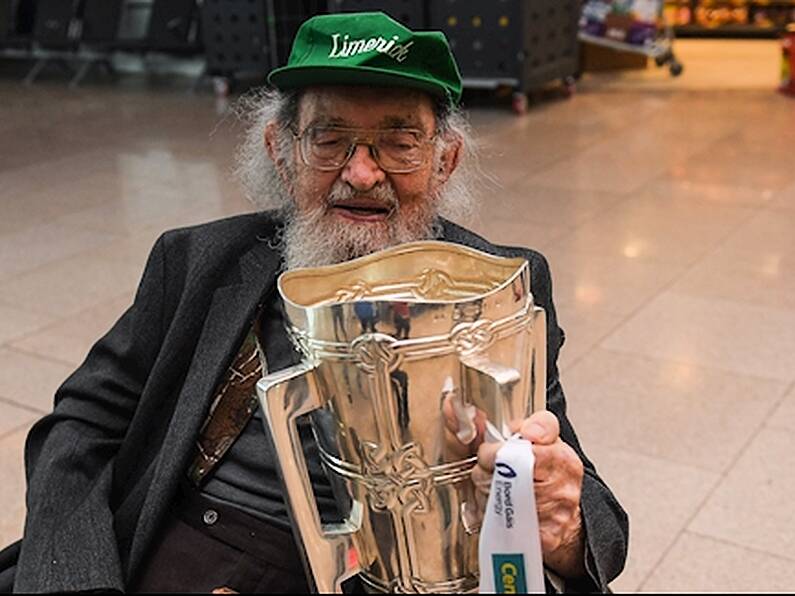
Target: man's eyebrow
[[386, 122], [329, 121], [400, 122]]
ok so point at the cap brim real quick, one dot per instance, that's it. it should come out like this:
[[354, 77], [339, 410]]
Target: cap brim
[[294, 77]]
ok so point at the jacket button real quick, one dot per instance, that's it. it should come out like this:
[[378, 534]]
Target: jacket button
[[210, 517]]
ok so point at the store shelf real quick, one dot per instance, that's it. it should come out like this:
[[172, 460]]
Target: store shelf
[[728, 31], [730, 18], [733, 3]]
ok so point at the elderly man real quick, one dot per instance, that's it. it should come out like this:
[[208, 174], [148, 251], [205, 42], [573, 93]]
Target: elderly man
[[152, 472]]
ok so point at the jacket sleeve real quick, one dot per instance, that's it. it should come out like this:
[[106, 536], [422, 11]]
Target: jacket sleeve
[[69, 542], [605, 522]]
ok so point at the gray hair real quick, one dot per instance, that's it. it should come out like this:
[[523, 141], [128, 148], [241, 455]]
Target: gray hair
[[263, 186]]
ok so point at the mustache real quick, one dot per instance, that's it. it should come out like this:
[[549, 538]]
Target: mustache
[[342, 193]]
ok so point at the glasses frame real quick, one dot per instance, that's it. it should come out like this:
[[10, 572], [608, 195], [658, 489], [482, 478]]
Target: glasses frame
[[362, 136]]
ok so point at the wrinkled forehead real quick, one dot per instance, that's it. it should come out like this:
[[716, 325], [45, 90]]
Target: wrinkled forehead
[[366, 107]]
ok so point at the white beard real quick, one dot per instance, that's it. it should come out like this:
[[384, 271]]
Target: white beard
[[316, 238]]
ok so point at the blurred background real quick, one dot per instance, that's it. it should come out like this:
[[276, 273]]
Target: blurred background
[[646, 148]]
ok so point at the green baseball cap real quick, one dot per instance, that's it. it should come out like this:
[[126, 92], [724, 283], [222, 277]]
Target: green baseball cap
[[369, 48]]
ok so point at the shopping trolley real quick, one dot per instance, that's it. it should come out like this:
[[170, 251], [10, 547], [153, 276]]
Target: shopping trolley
[[635, 26]]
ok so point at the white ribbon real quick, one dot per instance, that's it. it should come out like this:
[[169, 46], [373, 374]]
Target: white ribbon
[[510, 545]]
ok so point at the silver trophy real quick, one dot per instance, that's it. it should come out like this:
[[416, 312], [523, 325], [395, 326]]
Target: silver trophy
[[413, 356]]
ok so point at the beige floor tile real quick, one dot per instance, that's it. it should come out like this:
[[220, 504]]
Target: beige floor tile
[[659, 496], [70, 339], [134, 249], [752, 506], [590, 113], [627, 161], [755, 265], [593, 283], [69, 286], [12, 417], [44, 244], [761, 168], [678, 412], [518, 232], [711, 194], [584, 330], [701, 564], [783, 418], [758, 277], [713, 333], [57, 166], [29, 380], [12, 488], [15, 322], [549, 205], [127, 217], [785, 199], [769, 233], [28, 208], [598, 169], [530, 146], [661, 229]]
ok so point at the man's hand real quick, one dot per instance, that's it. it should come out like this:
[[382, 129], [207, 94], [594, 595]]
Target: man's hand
[[558, 483]]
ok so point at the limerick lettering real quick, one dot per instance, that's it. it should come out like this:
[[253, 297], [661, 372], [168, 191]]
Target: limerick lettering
[[347, 47]]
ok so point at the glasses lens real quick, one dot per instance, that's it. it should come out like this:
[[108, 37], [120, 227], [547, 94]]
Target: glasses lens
[[396, 150], [400, 150], [326, 147]]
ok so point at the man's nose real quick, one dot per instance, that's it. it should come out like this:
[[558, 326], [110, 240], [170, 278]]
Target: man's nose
[[362, 171]]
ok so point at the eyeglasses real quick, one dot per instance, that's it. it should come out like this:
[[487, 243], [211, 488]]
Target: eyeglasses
[[395, 150]]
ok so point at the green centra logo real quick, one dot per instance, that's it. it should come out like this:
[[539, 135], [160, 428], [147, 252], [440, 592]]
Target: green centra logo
[[509, 574]]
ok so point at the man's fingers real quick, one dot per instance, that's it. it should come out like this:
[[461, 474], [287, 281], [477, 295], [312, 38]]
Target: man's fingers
[[487, 454], [558, 460], [542, 428]]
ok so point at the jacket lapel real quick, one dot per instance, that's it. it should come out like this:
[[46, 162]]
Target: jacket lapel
[[229, 318]]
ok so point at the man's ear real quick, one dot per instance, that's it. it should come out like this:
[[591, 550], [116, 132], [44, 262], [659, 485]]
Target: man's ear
[[271, 137], [451, 157]]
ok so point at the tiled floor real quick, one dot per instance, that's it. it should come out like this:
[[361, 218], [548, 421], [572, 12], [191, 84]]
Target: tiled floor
[[666, 209]]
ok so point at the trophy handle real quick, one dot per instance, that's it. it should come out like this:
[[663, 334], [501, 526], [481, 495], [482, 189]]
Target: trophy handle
[[491, 387], [330, 551], [539, 331]]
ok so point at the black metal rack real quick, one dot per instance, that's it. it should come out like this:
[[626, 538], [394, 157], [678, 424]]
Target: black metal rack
[[412, 13], [250, 37], [520, 44]]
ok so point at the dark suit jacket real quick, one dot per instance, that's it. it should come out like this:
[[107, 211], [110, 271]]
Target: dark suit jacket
[[104, 466]]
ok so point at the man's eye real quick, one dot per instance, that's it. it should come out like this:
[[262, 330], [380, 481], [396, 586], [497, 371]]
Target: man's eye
[[329, 141], [401, 143]]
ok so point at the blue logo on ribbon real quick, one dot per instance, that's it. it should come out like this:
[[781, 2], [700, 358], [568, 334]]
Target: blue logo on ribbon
[[505, 470]]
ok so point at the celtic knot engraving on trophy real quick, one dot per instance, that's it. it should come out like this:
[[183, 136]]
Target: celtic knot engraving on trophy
[[357, 291], [470, 338], [397, 479], [375, 351], [433, 284]]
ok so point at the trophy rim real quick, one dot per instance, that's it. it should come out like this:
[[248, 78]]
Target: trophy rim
[[424, 246]]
